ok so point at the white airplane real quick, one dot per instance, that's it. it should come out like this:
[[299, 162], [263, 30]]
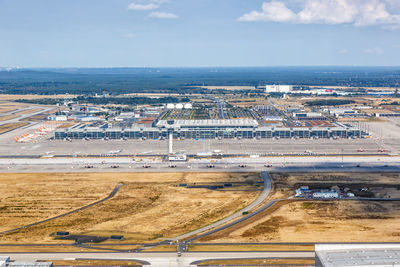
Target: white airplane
[[115, 151]]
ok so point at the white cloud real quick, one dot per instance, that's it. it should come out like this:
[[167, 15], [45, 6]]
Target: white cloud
[[151, 6], [356, 12], [162, 15], [373, 51], [342, 51], [272, 11]]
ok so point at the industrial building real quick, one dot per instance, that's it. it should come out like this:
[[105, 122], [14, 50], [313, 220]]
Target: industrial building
[[208, 129], [278, 88]]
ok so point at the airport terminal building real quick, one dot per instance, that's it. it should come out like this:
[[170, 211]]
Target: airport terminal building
[[208, 129]]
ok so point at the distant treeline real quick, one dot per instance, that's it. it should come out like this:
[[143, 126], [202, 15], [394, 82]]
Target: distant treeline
[[330, 102], [108, 100], [186, 80]]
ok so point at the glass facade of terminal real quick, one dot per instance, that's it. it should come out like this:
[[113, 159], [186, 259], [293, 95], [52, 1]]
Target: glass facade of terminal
[[208, 133]]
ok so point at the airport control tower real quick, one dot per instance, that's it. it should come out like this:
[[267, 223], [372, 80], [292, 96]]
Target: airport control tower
[[171, 155]]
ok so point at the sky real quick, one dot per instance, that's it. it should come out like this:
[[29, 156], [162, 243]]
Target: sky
[[199, 33]]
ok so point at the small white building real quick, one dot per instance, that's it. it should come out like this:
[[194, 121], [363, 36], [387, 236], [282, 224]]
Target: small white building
[[337, 112], [57, 118]]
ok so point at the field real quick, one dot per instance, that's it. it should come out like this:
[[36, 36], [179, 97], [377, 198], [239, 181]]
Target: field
[[95, 263], [11, 126], [8, 117], [259, 262], [14, 97], [251, 247], [6, 106], [28, 111], [148, 207], [296, 220]]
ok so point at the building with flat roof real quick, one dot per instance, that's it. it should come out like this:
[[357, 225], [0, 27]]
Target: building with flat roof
[[208, 129], [278, 88], [223, 123], [339, 255]]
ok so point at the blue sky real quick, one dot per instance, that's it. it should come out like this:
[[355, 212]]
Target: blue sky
[[136, 33]]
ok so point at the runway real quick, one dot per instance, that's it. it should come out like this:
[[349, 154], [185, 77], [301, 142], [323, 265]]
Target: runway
[[129, 164]]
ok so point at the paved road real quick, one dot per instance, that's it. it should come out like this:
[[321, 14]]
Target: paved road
[[158, 259], [264, 194], [112, 194]]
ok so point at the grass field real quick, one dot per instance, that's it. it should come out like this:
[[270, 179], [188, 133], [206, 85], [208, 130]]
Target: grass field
[[28, 111], [95, 263], [255, 247], [8, 117], [11, 126], [296, 220], [14, 97], [259, 262], [150, 206], [12, 249]]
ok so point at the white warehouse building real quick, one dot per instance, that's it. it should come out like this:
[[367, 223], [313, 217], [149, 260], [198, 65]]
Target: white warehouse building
[[278, 88], [326, 194]]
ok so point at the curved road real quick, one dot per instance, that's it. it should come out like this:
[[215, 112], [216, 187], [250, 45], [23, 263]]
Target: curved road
[[112, 194], [264, 194]]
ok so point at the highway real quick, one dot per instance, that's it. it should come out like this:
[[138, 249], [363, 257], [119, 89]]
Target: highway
[[158, 259]]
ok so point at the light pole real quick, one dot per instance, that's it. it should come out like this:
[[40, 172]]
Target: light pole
[[342, 156]]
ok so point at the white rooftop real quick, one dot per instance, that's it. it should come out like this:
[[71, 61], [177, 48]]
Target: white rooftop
[[215, 123], [341, 255]]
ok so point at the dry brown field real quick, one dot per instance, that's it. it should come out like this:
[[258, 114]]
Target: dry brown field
[[14, 97], [255, 247], [8, 117], [11, 126], [7, 106], [296, 220], [322, 221], [149, 207], [37, 249], [259, 262], [95, 263], [28, 111]]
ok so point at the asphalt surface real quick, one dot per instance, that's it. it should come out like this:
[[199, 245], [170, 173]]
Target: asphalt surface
[[158, 259], [128, 164], [160, 147]]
